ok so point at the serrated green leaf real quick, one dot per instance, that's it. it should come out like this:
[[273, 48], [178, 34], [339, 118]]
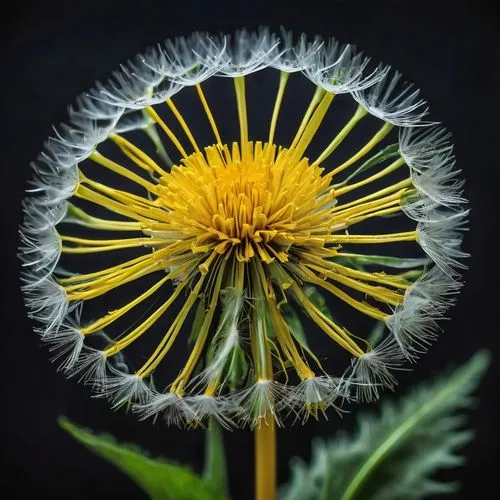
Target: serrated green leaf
[[395, 455], [160, 479], [215, 467]]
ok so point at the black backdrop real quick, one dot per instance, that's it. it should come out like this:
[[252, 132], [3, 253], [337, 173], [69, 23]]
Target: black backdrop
[[52, 51]]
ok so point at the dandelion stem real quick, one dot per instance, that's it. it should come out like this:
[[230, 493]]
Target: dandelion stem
[[265, 459]]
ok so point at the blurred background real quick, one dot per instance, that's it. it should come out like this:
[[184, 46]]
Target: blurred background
[[52, 51]]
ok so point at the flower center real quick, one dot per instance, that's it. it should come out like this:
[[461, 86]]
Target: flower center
[[261, 200]]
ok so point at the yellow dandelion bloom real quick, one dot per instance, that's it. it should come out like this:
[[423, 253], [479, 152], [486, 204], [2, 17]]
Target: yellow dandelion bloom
[[181, 224]]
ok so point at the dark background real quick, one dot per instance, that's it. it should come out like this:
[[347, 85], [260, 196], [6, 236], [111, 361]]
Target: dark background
[[52, 51]]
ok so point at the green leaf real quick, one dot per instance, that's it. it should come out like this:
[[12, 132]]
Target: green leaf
[[293, 321], [377, 333], [395, 455], [359, 261], [315, 296], [160, 479], [215, 470], [388, 152], [199, 317]]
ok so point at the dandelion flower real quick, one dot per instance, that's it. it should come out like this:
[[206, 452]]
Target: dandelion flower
[[209, 193]]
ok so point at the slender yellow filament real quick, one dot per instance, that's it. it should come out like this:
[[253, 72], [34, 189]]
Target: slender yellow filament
[[198, 348], [391, 168], [137, 155], [316, 99], [277, 105], [114, 315], [378, 213], [111, 205], [109, 271], [358, 115], [287, 343], [239, 87], [394, 187], [382, 278], [208, 112], [369, 238], [169, 338], [78, 216], [145, 325], [126, 277], [362, 208], [134, 202], [334, 331], [313, 125], [156, 117], [377, 292], [183, 124], [119, 169], [386, 128]]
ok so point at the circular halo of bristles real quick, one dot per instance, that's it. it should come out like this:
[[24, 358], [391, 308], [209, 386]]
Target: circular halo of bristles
[[161, 72]]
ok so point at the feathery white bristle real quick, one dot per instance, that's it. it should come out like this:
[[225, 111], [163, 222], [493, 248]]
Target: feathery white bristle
[[205, 406], [429, 155], [440, 238], [46, 301], [338, 69], [399, 105], [91, 106], [259, 402], [249, 52], [42, 214], [123, 388], [437, 287], [40, 250], [186, 61], [321, 392], [172, 408], [55, 185], [67, 344], [90, 367], [294, 56], [371, 372], [133, 120], [414, 322]]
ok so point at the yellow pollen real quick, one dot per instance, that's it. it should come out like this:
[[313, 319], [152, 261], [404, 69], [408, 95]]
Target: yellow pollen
[[254, 202]]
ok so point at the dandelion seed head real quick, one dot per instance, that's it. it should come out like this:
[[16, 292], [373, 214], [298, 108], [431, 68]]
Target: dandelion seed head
[[188, 216]]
